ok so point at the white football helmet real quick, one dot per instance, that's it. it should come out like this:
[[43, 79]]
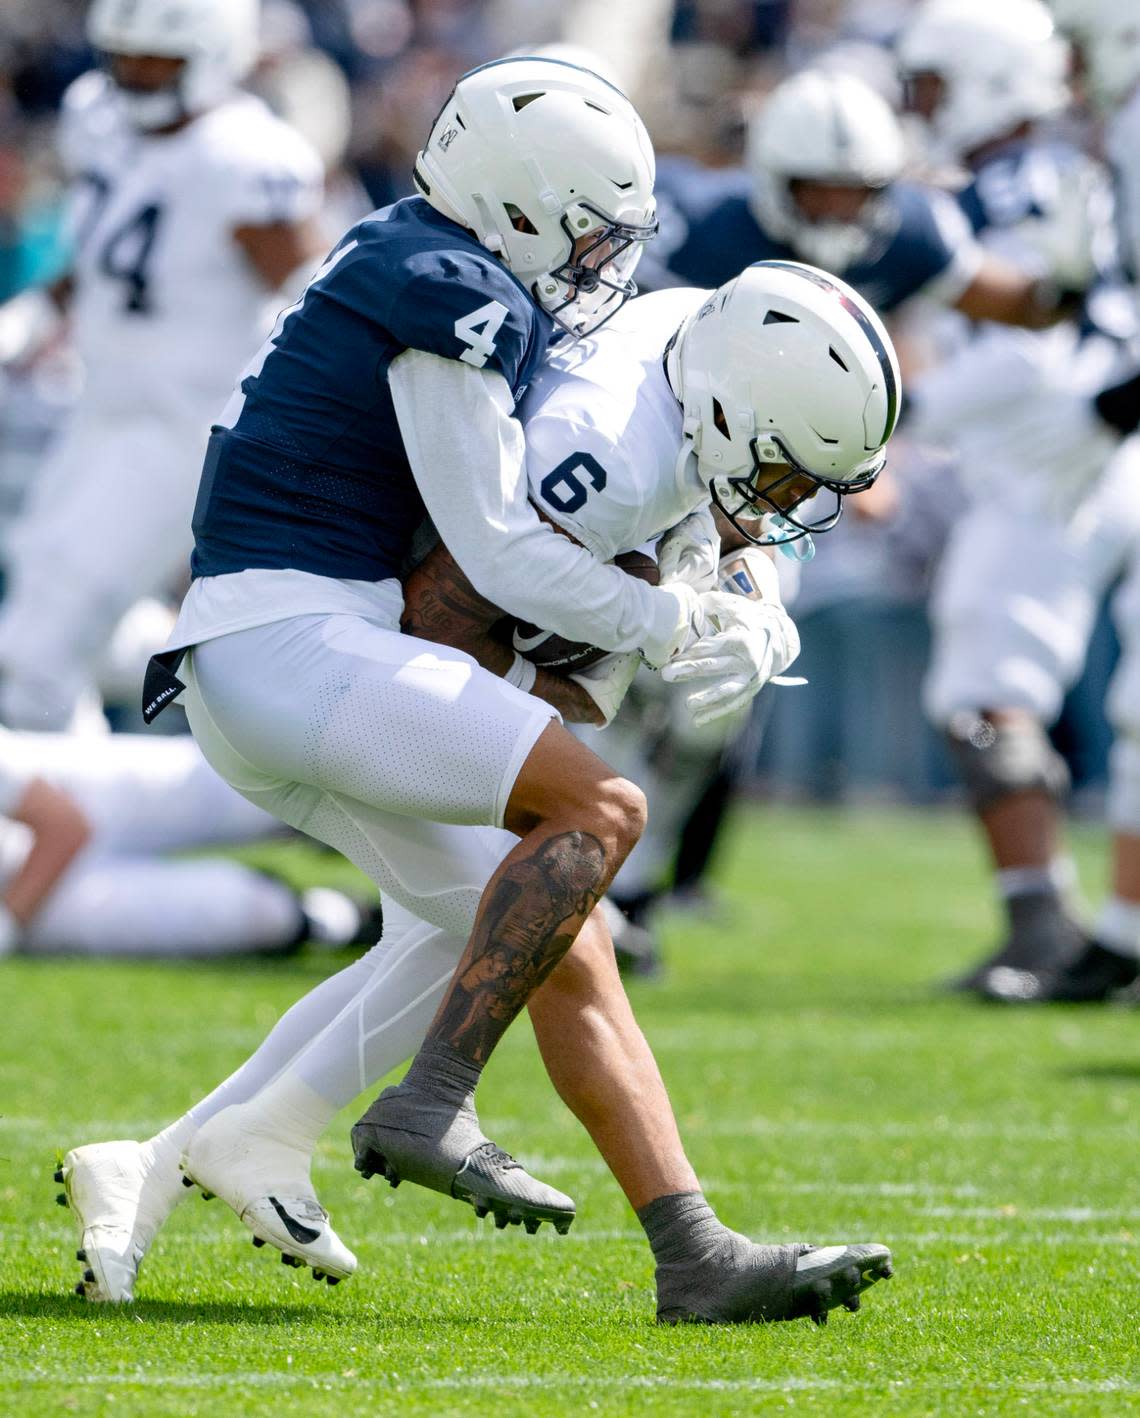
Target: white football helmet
[[1001, 64], [534, 154], [1108, 32], [217, 38], [824, 127], [785, 365]]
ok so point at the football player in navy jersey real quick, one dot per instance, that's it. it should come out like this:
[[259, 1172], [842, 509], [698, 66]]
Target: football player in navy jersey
[[1050, 512], [386, 393], [822, 184]]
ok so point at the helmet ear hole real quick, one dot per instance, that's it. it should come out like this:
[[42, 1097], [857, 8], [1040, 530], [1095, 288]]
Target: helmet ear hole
[[719, 420], [519, 219]]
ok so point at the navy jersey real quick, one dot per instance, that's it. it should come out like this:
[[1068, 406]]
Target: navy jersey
[[709, 233], [307, 469]]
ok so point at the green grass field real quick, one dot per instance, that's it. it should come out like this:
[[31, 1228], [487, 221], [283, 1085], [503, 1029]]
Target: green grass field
[[825, 1091]]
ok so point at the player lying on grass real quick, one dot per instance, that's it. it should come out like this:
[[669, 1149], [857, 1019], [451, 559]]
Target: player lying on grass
[[781, 361], [85, 828]]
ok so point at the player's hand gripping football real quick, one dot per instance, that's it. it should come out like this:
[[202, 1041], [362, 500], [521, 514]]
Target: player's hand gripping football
[[690, 551], [747, 638]]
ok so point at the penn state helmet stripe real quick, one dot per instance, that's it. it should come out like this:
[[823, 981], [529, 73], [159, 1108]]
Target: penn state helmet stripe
[[890, 384]]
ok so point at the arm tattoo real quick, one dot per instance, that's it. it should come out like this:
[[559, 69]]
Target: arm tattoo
[[440, 604], [528, 922]]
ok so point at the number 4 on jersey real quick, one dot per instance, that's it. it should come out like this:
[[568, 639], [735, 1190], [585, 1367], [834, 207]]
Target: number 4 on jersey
[[478, 331]]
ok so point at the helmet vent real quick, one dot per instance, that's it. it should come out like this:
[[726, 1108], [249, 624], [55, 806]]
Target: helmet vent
[[622, 186], [838, 361], [822, 439], [719, 419], [520, 101], [597, 107], [777, 317], [519, 220]]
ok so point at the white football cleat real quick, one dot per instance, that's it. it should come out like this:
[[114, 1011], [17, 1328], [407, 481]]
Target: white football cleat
[[121, 1193], [265, 1183]]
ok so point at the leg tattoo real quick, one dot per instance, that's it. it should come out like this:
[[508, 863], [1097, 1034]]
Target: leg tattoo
[[527, 925]]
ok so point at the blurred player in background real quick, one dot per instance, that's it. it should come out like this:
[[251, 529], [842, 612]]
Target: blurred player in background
[[824, 184], [191, 204], [1029, 559], [84, 841], [1108, 39]]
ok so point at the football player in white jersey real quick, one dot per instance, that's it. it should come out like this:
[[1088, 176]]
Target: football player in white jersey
[[1108, 37], [777, 387], [191, 205], [1045, 528], [85, 829]]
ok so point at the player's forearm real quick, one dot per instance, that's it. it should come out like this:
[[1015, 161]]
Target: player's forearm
[[60, 832], [467, 453]]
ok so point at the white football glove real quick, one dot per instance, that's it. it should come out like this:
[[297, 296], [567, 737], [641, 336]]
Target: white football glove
[[607, 682], [747, 642], [689, 552]]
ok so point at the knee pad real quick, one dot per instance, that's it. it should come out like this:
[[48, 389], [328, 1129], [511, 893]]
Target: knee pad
[[1124, 785], [997, 760]]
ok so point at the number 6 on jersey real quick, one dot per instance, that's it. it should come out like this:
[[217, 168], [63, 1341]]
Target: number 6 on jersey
[[478, 331]]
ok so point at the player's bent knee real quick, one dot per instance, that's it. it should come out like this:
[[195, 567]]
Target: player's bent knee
[[622, 812], [1000, 756]]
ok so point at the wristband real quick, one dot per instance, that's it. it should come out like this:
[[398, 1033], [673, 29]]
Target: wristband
[[522, 674]]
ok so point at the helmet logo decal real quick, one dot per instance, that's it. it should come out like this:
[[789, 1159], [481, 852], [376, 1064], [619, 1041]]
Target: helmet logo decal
[[447, 137]]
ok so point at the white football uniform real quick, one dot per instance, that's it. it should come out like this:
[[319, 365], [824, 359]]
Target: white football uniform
[[1029, 558], [603, 431], [142, 796], [1122, 142], [166, 311]]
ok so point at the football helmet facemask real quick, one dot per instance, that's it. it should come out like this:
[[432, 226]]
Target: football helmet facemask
[[552, 169], [790, 389]]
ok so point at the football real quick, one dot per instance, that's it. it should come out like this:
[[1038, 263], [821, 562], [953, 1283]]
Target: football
[[556, 654]]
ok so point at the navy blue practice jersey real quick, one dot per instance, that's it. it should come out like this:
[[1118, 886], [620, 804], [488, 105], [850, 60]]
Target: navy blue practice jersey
[[307, 469], [709, 233]]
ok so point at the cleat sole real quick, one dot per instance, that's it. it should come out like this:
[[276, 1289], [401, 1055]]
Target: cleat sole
[[371, 1163]]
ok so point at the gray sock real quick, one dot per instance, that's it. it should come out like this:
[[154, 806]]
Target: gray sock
[[681, 1227], [707, 1271], [444, 1072]]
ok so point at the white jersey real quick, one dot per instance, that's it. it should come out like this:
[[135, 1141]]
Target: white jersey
[[167, 308], [1015, 403], [603, 431]]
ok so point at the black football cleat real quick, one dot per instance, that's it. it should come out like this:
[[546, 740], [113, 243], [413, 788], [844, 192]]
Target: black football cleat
[[407, 1135], [1042, 937], [745, 1283], [1094, 977]]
